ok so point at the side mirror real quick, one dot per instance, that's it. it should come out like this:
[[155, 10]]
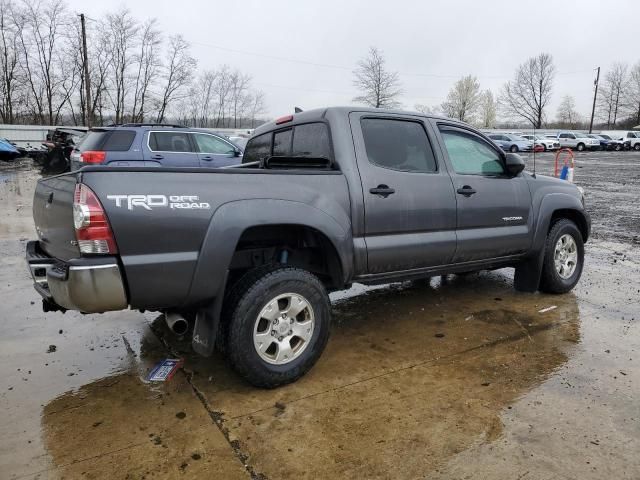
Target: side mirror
[[514, 164], [237, 152]]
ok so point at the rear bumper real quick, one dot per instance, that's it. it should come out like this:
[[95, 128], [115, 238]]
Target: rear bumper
[[89, 285]]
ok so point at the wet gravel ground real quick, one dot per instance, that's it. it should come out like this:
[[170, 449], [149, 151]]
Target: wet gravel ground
[[459, 377]]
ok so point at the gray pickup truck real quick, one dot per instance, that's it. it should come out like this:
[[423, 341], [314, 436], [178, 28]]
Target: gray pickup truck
[[323, 199]]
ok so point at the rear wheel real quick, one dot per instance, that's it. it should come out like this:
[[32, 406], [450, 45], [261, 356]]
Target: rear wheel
[[563, 258], [513, 149], [276, 326], [580, 147]]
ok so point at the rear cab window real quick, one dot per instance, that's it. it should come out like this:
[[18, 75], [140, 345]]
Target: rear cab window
[[304, 140]]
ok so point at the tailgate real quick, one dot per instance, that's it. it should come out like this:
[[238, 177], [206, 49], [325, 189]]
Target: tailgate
[[53, 216]]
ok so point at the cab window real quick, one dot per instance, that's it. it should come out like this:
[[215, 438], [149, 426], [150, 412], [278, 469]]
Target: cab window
[[398, 145], [470, 155]]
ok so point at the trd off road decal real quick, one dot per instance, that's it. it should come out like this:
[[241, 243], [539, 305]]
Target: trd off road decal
[[149, 202]]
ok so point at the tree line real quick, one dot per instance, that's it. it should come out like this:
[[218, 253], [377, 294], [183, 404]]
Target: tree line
[[136, 72], [524, 100]]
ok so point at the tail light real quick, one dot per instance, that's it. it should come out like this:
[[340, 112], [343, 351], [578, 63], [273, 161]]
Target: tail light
[[92, 157], [93, 231]]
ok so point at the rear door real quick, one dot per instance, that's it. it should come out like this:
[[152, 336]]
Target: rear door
[[171, 149], [214, 151], [493, 209], [409, 202]]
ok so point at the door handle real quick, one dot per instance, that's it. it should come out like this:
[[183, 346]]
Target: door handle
[[383, 190], [466, 190], [208, 158], [157, 157]]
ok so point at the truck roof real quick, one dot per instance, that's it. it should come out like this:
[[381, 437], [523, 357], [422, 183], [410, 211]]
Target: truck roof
[[319, 114]]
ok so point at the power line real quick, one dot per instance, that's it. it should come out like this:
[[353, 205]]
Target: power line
[[344, 67]]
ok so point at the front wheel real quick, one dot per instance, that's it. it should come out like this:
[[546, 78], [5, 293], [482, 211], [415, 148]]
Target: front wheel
[[580, 147], [277, 325], [513, 149], [636, 147], [563, 258]]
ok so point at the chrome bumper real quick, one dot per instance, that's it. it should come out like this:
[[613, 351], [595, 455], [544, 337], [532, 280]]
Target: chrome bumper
[[89, 285]]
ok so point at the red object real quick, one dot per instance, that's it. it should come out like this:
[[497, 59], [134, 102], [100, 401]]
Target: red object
[[538, 148], [92, 156], [285, 119], [93, 231]]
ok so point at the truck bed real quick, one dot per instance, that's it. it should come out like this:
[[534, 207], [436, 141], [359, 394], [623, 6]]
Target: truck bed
[[162, 218]]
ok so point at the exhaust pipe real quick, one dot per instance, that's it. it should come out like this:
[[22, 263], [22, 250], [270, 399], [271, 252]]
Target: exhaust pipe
[[176, 323]]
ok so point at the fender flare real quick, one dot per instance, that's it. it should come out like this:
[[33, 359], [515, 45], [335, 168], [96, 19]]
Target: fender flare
[[229, 222], [529, 271]]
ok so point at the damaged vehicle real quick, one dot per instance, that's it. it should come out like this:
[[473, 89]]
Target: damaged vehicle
[[322, 199]]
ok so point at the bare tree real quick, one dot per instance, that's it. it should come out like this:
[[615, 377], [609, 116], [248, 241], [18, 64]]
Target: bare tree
[[257, 106], [463, 100], [380, 88], [487, 110], [122, 29], [8, 62], [147, 62], [633, 94], [178, 73], [527, 95], [239, 95], [613, 92], [568, 117]]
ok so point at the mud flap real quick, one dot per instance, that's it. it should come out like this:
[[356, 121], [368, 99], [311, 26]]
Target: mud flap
[[528, 273], [206, 327]]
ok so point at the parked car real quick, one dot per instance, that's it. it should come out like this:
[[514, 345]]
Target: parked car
[[630, 138], [511, 143], [325, 198], [240, 141], [545, 142], [143, 145], [613, 144], [606, 143], [578, 141], [8, 151]]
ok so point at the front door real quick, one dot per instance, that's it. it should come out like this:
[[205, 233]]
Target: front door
[[409, 202], [494, 208]]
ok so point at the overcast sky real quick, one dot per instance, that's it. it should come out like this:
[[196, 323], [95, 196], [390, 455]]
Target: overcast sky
[[302, 53]]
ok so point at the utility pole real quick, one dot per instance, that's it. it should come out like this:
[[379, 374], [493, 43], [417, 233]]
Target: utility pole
[[87, 84], [595, 95]]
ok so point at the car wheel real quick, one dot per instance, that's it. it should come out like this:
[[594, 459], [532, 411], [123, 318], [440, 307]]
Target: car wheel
[[618, 148], [563, 258], [544, 147], [580, 147], [277, 325], [636, 147], [513, 149]]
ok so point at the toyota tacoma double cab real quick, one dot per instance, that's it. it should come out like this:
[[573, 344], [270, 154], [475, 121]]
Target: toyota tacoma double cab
[[322, 199]]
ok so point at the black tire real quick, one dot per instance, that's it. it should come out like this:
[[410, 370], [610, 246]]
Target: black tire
[[544, 147], [618, 148], [240, 313], [580, 147], [513, 149], [551, 281], [636, 147]]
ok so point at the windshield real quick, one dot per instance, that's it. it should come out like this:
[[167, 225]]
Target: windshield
[[606, 137]]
